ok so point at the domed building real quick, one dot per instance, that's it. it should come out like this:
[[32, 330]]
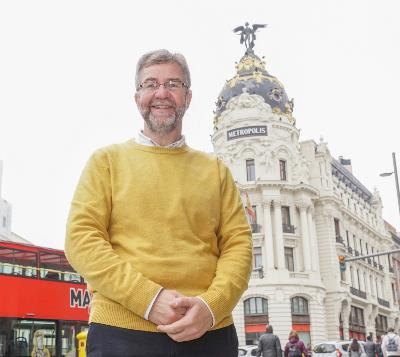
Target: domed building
[[299, 201]]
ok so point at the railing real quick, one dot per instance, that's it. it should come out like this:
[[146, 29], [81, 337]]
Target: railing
[[369, 261], [356, 253], [255, 228], [350, 249], [375, 264], [287, 228], [359, 293], [391, 270], [298, 275], [383, 302], [380, 267], [339, 239]]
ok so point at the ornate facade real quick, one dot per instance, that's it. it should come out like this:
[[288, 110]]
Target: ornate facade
[[307, 208]]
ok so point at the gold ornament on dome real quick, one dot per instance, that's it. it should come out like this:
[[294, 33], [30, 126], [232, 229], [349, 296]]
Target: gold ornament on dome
[[249, 62], [276, 110], [258, 76]]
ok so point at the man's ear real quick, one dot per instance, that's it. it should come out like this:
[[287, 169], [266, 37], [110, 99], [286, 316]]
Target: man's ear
[[136, 97], [188, 98]]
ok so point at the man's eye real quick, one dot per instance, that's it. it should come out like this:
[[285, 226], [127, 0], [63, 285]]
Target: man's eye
[[150, 84], [173, 84]]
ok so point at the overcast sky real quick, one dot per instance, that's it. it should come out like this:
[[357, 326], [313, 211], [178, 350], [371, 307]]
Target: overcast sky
[[66, 85]]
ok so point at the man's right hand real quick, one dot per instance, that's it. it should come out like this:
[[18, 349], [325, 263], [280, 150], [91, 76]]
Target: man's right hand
[[162, 312]]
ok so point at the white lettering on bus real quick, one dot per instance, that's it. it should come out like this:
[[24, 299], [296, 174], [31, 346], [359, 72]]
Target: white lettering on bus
[[79, 298]]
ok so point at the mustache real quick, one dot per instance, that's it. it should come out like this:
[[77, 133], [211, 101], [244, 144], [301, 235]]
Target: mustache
[[163, 102]]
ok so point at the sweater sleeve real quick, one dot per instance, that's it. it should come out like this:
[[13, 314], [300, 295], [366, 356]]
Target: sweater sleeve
[[235, 246], [88, 247]]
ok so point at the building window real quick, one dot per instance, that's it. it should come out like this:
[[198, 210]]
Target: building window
[[4, 221], [255, 306], [250, 170], [394, 293], [286, 223], [257, 257], [289, 261], [282, 170], [343, 276], [337, 229], [299, 306]]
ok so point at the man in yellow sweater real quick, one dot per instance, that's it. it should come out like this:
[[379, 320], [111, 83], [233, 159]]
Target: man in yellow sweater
[[158, 231]]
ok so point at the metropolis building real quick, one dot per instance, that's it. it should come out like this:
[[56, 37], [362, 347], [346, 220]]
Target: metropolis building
[[309, 209]]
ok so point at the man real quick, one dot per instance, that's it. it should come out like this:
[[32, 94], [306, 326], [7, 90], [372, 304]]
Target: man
[[158, 231], [391, 344], [269, 344], [370, 347]]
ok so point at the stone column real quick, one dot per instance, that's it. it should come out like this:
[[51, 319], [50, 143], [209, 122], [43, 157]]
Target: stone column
[[314, 243], [268, 248], [303, 205], [279, 247]]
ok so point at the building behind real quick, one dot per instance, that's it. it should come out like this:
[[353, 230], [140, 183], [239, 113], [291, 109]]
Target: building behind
[[305, 208]]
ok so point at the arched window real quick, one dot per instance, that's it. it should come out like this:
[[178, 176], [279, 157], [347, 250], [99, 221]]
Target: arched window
[[255, 306], [299, 306]]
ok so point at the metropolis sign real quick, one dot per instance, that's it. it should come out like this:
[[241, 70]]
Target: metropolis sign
[[259, 130]]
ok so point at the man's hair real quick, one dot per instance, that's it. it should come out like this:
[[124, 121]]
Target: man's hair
[[269, 328], [390, 329], [369, 338], [159, 57]]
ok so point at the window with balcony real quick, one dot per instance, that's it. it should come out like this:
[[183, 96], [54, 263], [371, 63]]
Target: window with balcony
[[257, 257], [337, 226], [283, 170], [289, 261], [250, 170], [287, 226]]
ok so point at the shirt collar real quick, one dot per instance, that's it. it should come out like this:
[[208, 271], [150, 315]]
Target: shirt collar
[[144, 140]]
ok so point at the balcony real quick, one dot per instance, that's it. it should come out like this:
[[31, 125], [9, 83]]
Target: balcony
[[350, 249], [339, 239], [356, 253], [369, 261], [383, 302], [375, 264], [391, 270], [287, 228], [359, 293], [255, 228], [380, 266]]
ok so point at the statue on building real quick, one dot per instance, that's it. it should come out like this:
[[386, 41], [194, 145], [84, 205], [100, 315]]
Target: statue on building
[[248, 35]]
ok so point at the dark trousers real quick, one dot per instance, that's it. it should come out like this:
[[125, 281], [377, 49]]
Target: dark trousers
[[109, 341]]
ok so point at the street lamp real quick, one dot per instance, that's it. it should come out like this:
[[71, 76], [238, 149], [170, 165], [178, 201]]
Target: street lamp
[[385, 174]]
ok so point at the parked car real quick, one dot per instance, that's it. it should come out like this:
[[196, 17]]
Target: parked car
[[249, 350], [335, 349]]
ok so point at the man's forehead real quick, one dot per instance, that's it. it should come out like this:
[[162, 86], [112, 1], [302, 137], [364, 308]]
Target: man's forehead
[[167, 70]]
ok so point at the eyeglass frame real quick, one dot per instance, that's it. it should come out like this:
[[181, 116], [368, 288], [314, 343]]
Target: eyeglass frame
[[184, 85]]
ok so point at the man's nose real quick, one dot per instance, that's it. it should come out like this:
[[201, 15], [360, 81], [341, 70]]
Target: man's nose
[[161, 92]]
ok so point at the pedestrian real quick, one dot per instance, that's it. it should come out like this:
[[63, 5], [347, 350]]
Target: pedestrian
[[378, 346], [159, 232], [355, 349], [391, 344], [269, 344], [295, 347], [370, 347]]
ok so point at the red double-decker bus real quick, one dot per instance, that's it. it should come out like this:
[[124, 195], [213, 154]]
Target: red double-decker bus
[[43, 302]]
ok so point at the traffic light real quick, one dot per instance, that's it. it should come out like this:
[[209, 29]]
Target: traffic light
[[342, 262]]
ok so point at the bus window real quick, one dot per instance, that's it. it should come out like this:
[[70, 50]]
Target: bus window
[[56, 267], [28, 336], [17, 262]]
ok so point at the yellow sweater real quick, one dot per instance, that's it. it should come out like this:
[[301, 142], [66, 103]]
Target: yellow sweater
[[145, 217]]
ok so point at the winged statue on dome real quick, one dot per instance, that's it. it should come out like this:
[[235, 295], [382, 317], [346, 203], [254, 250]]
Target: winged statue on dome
[[248, 34]]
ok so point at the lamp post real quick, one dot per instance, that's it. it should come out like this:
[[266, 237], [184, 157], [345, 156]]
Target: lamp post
[[384, 174]]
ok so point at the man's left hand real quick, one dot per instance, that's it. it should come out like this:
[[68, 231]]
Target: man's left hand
[[194, 324]]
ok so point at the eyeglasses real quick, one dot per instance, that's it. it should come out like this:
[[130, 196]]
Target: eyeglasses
[[170, 85]]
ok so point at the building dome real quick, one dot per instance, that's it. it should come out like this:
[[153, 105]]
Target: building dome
[[252, 77]]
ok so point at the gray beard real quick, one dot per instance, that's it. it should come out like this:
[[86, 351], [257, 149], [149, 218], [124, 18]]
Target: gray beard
[[165, 126]]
